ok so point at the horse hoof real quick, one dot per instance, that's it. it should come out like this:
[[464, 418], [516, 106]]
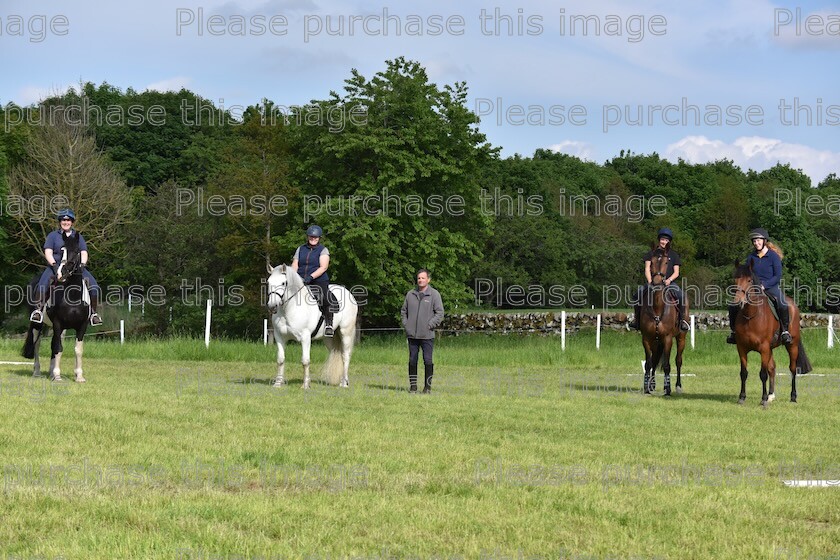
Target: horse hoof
[[57, 380], [771, 397], [81, 379], [765, 404], [741, 401], [279, 383], [679, 390], [667, 394], [793, 399], [305, 386], [36, 374]]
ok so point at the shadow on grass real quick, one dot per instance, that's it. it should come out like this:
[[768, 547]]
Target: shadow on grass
[[381, 387]]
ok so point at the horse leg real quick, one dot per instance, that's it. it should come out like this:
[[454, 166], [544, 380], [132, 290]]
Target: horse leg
[[772, 371], [347, 341], [648, 356], [37, 333], [80, 345], [766, 358], [679, 360], [666, 365], [793, 352], [742, 353], [55, 362], [305, 347], [280, 380]]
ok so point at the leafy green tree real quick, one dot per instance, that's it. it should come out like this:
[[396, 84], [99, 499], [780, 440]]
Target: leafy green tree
[[405, 140]]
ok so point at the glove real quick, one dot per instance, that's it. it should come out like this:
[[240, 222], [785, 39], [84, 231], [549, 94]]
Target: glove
[[82, 266], [54, 267], [307, 279]]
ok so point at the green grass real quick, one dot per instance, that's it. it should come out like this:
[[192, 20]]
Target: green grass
[[175, 451]]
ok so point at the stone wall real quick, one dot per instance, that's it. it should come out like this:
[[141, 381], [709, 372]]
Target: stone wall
[[549, 322]]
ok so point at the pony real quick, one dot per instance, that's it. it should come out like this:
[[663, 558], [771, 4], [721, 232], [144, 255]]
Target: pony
[[70, 309], [295, 315], [659, 323], [756, 329]]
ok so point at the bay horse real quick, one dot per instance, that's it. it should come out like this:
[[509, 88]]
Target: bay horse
[[70, 309], [756, 329], [659, 323], [295, 315]]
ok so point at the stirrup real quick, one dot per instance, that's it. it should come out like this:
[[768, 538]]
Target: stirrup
[[785, 337], [95, 319], [731, 339], [684, 326], [37, 316], [328, 331]]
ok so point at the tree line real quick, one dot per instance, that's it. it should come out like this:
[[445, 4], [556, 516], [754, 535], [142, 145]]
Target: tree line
[[174, 191]]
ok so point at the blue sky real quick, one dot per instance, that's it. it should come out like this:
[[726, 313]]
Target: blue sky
[[716, 56]]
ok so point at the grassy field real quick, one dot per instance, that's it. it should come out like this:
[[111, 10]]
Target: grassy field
[[522, 451]]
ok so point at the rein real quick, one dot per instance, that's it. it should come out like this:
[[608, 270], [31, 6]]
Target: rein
[[287, 300]]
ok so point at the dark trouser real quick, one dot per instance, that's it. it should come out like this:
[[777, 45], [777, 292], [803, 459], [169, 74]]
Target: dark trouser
[[414, 347], [320, 289], [778, 298]]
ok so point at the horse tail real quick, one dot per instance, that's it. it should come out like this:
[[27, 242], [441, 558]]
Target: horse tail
[[803, 364], [334, 366], [28, 351]]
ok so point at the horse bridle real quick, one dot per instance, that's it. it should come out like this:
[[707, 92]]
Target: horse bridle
[[281, 296]]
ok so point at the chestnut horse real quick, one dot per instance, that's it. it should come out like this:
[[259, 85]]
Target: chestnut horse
[[756, 329], [659, 323]]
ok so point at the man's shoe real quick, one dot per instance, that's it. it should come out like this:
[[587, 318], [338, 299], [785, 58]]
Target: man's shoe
[[684, 326], [328, 331], [731, 339], [37, 316], [786, 338], [95, 320]]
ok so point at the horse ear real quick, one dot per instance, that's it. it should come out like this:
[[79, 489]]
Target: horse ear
[[268, 267], [283, 268]]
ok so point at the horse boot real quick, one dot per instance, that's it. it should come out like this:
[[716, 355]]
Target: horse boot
[[430, 372], [37, 315], [784, 318], [95, 319], [733, 313], [412, 378], [328, 321]]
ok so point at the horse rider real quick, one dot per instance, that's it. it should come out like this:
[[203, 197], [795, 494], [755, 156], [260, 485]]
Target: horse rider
[[766, 264], [311, 261], [665, 236], [52, 252]]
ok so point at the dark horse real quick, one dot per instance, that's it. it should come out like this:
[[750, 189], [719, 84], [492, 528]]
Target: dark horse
[[69, 310], [756, 329], [659, 323]]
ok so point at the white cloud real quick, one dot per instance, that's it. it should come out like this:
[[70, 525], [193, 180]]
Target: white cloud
[[582, 150], [758, 153], [29, 95], [171, 84]]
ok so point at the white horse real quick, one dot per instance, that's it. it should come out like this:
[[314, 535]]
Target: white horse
[[295, 315]]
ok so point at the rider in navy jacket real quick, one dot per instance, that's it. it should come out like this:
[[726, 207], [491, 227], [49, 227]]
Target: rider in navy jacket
[[311, 261]]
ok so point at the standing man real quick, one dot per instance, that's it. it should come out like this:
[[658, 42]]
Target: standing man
[[422, 312]]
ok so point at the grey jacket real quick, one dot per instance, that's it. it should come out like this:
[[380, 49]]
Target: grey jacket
[[421, 313]]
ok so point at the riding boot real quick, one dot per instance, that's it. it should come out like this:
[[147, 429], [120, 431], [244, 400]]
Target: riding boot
[[430, 372], [328, 321], [95, 319], [37, 315], [412, 378], [733, 313], [784, 318], [684, 326]]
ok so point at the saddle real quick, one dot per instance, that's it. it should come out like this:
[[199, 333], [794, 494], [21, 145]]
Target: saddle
[[55, 293]]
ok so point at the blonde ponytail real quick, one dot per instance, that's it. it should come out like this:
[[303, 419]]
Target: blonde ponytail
[[776, 249]]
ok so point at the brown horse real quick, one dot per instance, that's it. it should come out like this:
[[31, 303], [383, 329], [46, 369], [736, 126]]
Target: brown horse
[[659, 323], [756, 329]]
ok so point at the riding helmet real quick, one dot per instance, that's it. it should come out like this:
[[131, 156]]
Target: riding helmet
[[666, 232], [759, 233], [65, 214], [315, 231]]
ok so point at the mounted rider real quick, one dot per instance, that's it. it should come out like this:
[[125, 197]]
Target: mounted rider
[[53, 248], [311, 261], [665, 236], [766, 265]]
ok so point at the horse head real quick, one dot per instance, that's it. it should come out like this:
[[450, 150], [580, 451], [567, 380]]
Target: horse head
[[283, 284], [659, 266], [71, 259], [746, 284]]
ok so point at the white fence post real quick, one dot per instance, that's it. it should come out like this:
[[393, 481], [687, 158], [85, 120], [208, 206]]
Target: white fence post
[[598, 334], [563, 331], [122, 331], [831, 331], [265, 332], [207, 325], [692, 332]]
